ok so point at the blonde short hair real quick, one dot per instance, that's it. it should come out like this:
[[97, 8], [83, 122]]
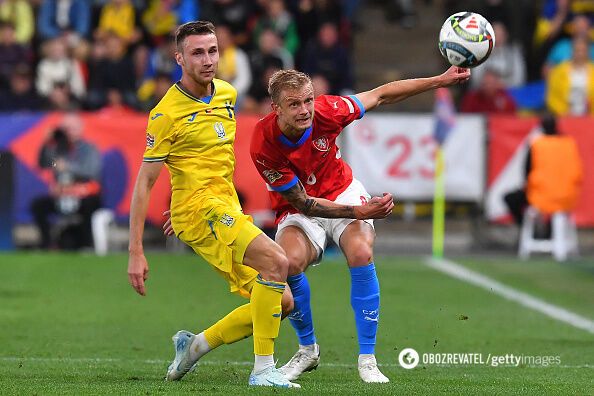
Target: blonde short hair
[[286, 79]]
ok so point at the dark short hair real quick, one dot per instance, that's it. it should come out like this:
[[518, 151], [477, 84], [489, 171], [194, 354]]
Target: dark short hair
[[191, 29], [548, 122]]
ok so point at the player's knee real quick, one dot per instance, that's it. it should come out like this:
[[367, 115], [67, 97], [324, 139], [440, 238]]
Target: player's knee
[[277, 265], [360, 254]]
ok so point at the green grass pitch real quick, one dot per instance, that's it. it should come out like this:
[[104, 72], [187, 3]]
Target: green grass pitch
[[71, 324]]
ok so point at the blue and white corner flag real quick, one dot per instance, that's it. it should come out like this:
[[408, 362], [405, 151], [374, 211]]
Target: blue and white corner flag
[[445, 115]]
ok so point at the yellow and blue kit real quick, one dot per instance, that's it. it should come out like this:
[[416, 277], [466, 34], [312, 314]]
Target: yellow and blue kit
[[194, 138]]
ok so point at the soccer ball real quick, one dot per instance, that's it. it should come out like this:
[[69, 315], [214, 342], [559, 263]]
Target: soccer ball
[[466, 39]]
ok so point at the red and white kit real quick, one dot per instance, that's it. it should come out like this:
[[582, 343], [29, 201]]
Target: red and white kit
[[315, 160]]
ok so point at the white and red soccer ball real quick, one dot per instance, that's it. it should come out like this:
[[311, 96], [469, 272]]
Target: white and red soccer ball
[[466, 39]]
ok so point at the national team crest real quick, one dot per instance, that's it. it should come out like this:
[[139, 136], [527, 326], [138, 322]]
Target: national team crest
[[227, 220], [150, 140], [322, 144], [220, 130]]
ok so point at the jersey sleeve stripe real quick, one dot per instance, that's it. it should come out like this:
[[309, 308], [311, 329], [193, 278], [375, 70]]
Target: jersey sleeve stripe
[[154, 159], [348, 102], [359, 105], [285, 186]]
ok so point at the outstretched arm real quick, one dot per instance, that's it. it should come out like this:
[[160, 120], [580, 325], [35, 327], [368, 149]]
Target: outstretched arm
[[376, 208], [137, 264], [396, 91]]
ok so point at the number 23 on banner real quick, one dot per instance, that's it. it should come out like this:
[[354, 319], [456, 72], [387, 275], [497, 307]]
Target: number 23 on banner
[[411, 157]]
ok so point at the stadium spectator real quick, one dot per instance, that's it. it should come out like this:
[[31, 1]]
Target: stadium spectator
[[119, 17], [20, 14], [162, 16], [57, 70], [507, 58], [489, 97], [70, 18], [12, 52], [153, 90], [270, 45], [328, 57], [257, 100], [549, 25], [570, 85], [75, 165], [111, 69], [269, 57], [21, 94], [563, 49], [552, 171], [309, 16], [236, 14], [161, 60], [159, 19], [277, 18], [186, 10], [234, 65]]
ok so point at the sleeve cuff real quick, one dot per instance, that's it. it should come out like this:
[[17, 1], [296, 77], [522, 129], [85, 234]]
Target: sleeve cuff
[[285, 186], [359, 105], [154, 159]]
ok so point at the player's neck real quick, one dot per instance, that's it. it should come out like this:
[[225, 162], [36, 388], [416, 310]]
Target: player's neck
[[195, 89], [290, 132]]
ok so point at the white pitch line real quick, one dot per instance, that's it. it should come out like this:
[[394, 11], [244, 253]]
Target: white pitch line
[[553, 311], [239, 363]]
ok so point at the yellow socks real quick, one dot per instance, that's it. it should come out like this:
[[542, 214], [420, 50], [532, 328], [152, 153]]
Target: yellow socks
[[236, 326], [265, 305], [261, 317]]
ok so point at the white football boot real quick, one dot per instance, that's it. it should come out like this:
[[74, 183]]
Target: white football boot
[[182, 340], [271, 376], [369, 372], [303, 360]]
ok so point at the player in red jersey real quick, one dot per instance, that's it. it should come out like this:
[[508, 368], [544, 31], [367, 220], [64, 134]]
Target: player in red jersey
[[316, 197]]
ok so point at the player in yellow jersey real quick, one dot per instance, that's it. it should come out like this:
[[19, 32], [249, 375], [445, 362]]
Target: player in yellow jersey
[[191, 131]]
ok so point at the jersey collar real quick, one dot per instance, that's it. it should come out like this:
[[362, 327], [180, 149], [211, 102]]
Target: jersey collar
[[285, 140], [205, 99]]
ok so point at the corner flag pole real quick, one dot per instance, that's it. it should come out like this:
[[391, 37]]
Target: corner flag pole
[[445, 120], [439, 204]]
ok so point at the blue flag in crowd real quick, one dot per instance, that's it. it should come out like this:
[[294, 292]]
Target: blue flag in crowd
[[444, 113]]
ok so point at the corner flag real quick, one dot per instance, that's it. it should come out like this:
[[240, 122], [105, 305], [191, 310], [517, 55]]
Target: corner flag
[[445, 120]]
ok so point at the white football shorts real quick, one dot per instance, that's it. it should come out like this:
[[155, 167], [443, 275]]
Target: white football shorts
[[318, 229]]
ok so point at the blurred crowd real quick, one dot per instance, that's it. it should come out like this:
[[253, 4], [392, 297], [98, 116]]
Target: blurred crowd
[[117, 55], [543, 58]]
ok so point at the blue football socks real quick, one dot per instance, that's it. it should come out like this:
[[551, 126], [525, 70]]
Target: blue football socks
[[365, 300], [301, 316]]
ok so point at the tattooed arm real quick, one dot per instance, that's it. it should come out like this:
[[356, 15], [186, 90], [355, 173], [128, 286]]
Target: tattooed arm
[[376, 208]]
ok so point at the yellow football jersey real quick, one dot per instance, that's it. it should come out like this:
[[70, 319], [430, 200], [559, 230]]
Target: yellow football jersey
[[194, 137]]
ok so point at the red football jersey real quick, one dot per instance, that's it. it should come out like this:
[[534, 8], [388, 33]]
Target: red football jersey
[[314, 159]]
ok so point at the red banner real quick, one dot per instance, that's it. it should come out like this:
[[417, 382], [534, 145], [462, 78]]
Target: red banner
[[124, 133]]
